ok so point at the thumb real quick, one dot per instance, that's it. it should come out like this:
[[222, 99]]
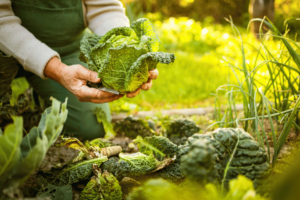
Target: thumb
[[86, 74]]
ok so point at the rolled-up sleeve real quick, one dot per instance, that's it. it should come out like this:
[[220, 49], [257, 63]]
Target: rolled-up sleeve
[[103, 15], [17, 41]]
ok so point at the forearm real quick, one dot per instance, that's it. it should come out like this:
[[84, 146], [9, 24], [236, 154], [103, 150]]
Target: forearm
[[54, 69]]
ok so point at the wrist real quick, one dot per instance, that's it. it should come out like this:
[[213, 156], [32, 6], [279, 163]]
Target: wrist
[[53, 69]]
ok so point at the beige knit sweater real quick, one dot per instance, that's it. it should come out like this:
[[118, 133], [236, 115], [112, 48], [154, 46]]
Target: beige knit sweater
[[17, 41]]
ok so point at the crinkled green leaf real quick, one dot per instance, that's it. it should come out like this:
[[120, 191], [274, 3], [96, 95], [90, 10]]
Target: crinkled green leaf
[[73, 173], [102, 118], [10, 148], [86, 45], [138, 72], [8, 70], [103, 186], [132, 127], [236, 154], [124, 56], [144, 27]]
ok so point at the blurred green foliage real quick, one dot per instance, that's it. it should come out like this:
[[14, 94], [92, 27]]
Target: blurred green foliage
[[286, 13], [196, 9], [217, 10]]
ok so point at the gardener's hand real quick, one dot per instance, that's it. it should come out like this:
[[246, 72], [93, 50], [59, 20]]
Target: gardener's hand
[[74, 79], [153, 74]]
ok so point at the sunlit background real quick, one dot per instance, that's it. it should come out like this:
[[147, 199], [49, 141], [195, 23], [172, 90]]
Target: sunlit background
[[201, 38]]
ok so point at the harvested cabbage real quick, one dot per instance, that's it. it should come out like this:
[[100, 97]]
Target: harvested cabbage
[[124, 55]]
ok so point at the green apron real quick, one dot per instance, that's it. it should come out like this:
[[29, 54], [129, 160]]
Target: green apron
[[60, 25]]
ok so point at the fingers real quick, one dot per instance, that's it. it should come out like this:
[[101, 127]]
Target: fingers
[[133, 94], [86, 74], [153, 74], [94, 95], [147, 86]]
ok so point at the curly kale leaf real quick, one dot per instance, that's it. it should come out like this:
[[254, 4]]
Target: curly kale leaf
[[132, 127], [103, 186], [159, 146], [144, 27], [124, 55], [237, 154], [131, 165], [137, 164], [199, 163], [87, 43], [179, 130], [72, 173]]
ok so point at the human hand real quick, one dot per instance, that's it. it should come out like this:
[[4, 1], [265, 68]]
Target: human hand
[[74, 79], [153, 74]]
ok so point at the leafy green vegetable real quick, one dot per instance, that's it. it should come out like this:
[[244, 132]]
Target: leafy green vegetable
[[171, 173], [132, 127], [159, 146], [8, 70], [179, 130], [10, 151], [130, 165], [162, 147], [99, 142], [102, 119], [71, 173], [57, 192], [124, 55], [18, 86], [199, 163], [20, 157], [236, 153], [103, 186], [137, 164]]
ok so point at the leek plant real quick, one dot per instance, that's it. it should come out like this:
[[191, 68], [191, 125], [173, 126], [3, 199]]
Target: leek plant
[[274, 99]]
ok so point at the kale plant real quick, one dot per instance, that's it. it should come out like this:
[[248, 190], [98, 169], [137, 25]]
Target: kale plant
[[199, 164], [130, 165], [20, 157], [124, 55], [132, 127], [179, 130], [236, 154], [102, 186]]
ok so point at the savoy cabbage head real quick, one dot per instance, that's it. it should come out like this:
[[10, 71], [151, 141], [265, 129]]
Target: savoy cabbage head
[[124, 55]]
